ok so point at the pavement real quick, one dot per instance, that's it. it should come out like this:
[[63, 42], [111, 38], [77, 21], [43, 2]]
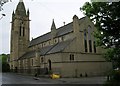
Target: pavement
[[84, 80]]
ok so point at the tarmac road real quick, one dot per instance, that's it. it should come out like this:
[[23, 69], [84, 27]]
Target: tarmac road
[[11, 79]]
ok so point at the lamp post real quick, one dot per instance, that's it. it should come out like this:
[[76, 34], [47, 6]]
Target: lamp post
[[2, 16]]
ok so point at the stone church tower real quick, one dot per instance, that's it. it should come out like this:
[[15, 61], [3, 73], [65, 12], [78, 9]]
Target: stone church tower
[[19, 33]]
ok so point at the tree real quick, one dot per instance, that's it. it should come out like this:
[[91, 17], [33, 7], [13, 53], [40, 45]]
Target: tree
[[106, 17], [2, 2], [5, 65]]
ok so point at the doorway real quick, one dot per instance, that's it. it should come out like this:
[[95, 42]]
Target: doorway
[[49, 64]]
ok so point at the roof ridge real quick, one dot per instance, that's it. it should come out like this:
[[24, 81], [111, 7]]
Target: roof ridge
[[67, 28], [69, 23], [64, 25], [41, 35], [50, 31], [57, 28]]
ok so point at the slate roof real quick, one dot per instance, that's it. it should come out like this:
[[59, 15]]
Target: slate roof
[[45, 50], [60, 31], [27, 55], [65, 29], [40, 39], [59, 47]]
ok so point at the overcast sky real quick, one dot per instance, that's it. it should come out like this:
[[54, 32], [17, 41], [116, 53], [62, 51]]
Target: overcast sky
[[42, 12]]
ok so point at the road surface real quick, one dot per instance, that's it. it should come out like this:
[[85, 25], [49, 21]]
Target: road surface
[[12, 78]]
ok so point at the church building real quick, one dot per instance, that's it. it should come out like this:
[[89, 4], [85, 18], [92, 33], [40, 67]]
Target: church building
[[69, 50]]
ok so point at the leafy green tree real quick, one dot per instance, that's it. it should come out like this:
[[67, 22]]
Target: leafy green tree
[[2, 2], [113, 54], [106, 17], [5, 65]]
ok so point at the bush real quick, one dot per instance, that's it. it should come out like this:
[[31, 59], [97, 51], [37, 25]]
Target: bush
[[114, 78], [5, 67]]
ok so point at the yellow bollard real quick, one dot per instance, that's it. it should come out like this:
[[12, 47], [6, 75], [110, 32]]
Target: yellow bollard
[[55, 76]]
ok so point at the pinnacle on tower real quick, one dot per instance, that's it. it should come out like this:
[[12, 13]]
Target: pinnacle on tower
[[13, 12], [53, 29], [53, 25], [28, 12], [20, 0], [20, 10]]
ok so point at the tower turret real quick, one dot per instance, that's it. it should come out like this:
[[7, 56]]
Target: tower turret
[[53, 32], [53, 29]]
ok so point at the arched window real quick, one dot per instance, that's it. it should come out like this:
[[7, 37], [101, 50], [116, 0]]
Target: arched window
[[94, 47], [85, 40], [23, 31], [89, 38], [85, 34], [32, 62], [89, 32], [20, 30]]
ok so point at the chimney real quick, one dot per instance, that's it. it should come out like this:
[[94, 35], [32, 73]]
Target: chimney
[[75, 24]]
